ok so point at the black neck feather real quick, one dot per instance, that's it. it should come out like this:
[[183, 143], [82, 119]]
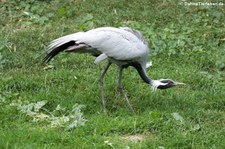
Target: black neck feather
[[142, 73]]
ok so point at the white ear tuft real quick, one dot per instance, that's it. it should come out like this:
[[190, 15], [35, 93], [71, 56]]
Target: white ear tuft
[[156, 83]]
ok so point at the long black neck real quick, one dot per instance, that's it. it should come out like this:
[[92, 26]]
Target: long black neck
[[142, 73]]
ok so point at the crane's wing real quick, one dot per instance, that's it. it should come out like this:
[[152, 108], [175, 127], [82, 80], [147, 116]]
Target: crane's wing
[[69, 43], [105, 42], [136, 33]]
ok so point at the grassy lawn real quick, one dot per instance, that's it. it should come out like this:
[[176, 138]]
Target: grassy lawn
[[59, 105]]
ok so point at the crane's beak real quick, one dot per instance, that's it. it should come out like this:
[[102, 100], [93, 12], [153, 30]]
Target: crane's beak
[[179, 83]]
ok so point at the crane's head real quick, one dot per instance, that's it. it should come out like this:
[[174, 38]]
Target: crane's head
[[164, 84]]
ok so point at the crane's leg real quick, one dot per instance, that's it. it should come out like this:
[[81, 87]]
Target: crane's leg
[[122, 89], [100, 81]]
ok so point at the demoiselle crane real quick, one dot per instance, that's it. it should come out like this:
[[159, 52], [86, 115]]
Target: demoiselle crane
[[122, 46]]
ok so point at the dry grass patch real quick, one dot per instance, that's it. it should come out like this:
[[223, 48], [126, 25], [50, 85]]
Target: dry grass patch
[[135, 138]]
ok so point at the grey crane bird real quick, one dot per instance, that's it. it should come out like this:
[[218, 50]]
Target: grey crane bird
[[122, 46]]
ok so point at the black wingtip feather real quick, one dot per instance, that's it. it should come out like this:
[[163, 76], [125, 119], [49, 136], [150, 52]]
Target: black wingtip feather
[[56, 51], [52, 54]]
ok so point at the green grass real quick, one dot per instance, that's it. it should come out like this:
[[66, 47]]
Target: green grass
[[187, 45]]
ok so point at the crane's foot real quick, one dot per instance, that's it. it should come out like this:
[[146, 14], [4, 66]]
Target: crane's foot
[[126, 98]]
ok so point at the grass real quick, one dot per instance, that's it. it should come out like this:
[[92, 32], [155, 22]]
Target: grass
[[187, 45]]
